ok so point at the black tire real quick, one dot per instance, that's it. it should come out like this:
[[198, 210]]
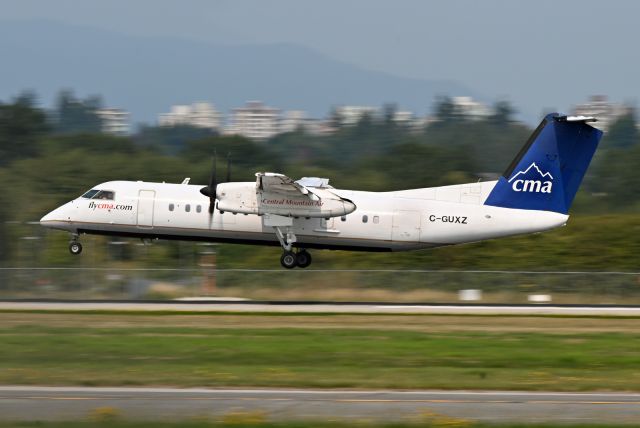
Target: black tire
[[288, 260], [303, 258], [75, 248]]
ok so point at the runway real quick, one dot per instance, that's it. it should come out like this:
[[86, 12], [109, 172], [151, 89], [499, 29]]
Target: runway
[[249, 306], [30, 403]]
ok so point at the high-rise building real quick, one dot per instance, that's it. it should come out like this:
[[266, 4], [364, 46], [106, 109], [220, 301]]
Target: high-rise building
[[114, 121], [199, 115], [255, 120]]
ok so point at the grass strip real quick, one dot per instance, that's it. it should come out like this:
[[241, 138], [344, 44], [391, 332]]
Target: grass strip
[[117, 351]]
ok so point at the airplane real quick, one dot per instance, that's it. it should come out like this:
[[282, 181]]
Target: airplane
[[534, 194]]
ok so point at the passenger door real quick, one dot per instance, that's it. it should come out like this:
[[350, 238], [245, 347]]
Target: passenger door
[[406, 226], [146, 199]]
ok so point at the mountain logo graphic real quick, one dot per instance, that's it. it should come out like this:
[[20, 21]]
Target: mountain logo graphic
[[532, 180]]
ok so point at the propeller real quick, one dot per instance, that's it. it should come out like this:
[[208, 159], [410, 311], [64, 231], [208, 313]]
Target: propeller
[[211, 189]]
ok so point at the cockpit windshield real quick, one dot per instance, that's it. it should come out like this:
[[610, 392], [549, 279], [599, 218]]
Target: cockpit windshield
[[99, 194], [90, 194]]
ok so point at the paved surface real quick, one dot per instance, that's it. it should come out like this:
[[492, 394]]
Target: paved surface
[[321, 307], [65, 403]]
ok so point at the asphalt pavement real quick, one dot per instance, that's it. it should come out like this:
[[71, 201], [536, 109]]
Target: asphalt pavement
[[29, 403], [319, 307]]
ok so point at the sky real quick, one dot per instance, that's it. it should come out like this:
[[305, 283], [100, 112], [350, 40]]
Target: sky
[[539, 55]]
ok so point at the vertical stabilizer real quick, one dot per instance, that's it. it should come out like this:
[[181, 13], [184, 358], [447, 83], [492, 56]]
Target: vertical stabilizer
[[547, 172]]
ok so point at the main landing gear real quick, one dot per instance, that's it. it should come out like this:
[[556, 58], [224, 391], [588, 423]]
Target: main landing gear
[[75, 247], [291, 259], [301, 259]]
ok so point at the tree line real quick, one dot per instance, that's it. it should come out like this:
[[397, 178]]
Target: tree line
[[50, 157]]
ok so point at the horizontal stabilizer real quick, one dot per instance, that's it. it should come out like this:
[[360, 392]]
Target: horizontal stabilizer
[[576, 119]]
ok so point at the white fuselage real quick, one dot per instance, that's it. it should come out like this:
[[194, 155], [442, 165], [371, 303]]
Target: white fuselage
[[382, 221]]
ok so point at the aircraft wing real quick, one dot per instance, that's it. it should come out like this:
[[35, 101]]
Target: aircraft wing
[[271, 182]]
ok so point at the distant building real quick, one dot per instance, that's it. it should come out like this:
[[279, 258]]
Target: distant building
[[409, 121], [319, 127], [114, 121], [255, 120], [403, 117], [199, 115], [471, 109], [293, 120], [351, 115], [605, 111]]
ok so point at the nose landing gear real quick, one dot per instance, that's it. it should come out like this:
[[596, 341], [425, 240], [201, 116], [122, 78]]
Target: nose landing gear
[[75, 247]]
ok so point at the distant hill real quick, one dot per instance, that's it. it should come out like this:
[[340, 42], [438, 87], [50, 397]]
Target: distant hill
[[147, 75]]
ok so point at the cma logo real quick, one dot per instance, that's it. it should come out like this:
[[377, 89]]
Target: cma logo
[[543, 184]]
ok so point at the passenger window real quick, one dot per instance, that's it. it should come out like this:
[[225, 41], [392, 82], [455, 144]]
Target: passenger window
[[187, 208], [376, 219], [171, 207], [365, 218], [198, 209]]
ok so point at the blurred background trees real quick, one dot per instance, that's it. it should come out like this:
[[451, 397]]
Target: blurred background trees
[[73, 115], [47, 158]]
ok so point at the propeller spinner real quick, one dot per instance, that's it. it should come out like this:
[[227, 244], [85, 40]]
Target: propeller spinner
[[211, 189]]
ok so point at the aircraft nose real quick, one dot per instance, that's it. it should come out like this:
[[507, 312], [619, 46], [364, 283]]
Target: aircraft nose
[[47, 217], [55, 219], [51, 216]]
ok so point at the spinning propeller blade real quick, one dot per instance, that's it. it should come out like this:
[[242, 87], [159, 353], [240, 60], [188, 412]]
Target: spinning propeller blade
[[211, 190]]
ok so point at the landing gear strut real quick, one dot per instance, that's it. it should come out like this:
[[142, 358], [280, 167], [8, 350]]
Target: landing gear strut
[[290, 259], [75, 247]]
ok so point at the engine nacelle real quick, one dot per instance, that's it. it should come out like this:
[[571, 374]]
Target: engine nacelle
[[244, 198]]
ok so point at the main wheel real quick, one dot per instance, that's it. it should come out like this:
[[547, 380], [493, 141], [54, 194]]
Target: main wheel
[[303, 258], [288, 260], [75, 248]]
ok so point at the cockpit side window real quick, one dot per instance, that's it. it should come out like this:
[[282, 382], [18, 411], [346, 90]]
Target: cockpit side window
[[90, 194], [99, 194], [105, 195]]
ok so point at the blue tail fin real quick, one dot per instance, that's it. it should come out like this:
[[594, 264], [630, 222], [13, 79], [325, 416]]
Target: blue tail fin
[[548, 170]]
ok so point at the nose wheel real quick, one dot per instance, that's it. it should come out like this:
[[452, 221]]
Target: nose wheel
[[75, 248]]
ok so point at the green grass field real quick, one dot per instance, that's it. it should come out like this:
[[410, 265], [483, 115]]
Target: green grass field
[[342, 351]]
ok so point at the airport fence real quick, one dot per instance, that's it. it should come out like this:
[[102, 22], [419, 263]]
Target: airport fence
[[425, 286], [40, 267]]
